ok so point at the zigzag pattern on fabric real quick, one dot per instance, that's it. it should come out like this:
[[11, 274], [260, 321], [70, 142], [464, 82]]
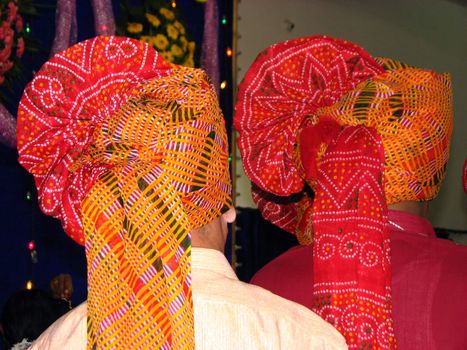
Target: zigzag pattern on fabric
[[142, 164], [411, 109], [186, 152], [351, 252], [74, 91]]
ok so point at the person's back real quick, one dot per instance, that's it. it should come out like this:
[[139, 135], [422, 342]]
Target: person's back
[[229, 315], [429, 284]]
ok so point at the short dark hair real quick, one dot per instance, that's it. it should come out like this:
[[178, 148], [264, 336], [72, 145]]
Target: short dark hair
[[27, 314]]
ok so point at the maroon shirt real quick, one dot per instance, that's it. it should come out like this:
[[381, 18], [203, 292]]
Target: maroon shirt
[[429, 284]]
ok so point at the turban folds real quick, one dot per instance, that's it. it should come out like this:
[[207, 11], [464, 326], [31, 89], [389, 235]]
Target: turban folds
[[411, 108], [329, 136], [130, 152]]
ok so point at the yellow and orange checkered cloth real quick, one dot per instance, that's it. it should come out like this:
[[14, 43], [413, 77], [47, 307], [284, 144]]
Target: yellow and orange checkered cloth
[[142, 148], [411, 108]]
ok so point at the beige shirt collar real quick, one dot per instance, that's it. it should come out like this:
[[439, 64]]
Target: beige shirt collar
[[212, 260]]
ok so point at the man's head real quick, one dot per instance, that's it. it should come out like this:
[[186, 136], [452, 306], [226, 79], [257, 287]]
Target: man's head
[[303, 83], [27, 314], [113, 103], [329, 136], [130, 153]]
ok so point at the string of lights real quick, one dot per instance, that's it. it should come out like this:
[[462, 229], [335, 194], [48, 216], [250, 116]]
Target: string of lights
[[31, 246]]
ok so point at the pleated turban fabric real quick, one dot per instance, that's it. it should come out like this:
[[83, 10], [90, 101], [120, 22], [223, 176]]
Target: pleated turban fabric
[[329, 136], [130, 153]]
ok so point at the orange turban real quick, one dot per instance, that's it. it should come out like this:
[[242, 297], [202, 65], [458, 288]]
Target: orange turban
[[130, 152], [411, 108], [300, 82]]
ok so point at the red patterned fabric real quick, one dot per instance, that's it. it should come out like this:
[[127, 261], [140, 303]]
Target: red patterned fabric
[[73, 93], [428, 284], [287, 146], [351, 253], [312, 145], [286, 83]]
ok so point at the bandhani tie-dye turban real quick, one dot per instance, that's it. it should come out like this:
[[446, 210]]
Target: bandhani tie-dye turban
[[329, 136], [130, 153]]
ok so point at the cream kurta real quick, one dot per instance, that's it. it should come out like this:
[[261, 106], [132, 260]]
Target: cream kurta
[[229, 314]]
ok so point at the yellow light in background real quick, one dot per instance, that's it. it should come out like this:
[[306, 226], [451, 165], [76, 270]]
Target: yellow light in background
[[173, 4], [29, 285], [228, 52], [223, 85]]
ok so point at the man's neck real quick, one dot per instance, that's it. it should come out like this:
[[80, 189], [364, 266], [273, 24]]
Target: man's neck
[[209, 236], [197, 243], [412, 207]]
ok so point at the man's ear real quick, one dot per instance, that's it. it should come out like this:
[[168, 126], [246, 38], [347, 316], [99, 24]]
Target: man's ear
[[230, 215]]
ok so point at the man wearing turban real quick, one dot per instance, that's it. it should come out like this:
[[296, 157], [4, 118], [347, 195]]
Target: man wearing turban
[[345, 151], [130, 153]]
